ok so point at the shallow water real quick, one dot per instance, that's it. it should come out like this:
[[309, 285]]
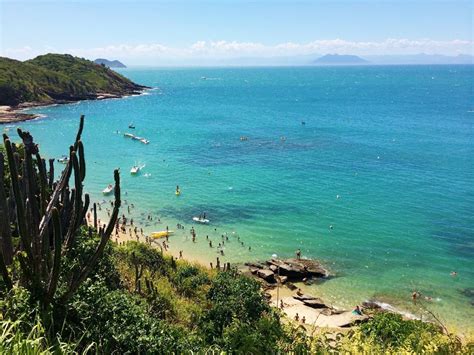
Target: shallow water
[[394, 143]]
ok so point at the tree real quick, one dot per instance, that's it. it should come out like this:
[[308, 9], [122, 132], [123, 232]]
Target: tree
[[46, 215]]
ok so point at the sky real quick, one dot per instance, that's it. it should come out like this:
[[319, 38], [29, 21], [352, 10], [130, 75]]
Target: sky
[[147, 32]]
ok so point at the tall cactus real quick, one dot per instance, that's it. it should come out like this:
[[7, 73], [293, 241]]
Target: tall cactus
[[47, 216]]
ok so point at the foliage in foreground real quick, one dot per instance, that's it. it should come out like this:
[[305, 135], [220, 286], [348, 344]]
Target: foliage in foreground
[[225, 312]]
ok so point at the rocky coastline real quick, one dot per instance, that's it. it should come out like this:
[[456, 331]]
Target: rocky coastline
[[13, 114]]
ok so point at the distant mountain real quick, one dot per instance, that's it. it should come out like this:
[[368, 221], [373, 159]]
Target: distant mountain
[[340, 59], [110, 63], [421, 58], [58, 78]]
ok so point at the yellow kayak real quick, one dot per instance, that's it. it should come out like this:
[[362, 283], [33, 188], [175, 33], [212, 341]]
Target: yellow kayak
[[161, 234]]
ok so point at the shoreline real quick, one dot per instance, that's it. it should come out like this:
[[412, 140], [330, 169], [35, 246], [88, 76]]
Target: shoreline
[[15, 114], [294, 295]]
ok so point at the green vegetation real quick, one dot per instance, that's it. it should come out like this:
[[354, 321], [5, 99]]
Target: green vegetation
[[78, 292], [58, 77]]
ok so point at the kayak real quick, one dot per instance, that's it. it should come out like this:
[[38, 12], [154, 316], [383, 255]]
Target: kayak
[[161, 234], [201, 220]]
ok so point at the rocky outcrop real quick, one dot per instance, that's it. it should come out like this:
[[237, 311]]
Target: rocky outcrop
[[311, 301], [298, 269], [288, 270]]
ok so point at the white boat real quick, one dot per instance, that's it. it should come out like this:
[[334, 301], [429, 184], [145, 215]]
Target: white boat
[[131, 125], [128, 135], [136, 169], [201, 220], [108, 190], [64, 159], [144, 141]]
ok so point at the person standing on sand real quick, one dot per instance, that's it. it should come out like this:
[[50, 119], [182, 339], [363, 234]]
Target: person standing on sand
[[298, 254], [414, 296], [297, 317]]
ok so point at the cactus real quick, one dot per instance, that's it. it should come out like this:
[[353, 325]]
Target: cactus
[[47, 216]]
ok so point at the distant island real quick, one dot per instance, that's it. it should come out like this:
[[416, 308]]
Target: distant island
[[110, 63], [340, 59], [56, 79]]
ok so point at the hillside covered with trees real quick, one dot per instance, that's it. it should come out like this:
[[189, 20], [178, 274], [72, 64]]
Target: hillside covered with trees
[[55, 78]]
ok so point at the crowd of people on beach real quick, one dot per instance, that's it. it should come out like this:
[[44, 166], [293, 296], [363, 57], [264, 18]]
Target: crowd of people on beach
[[127, 227]]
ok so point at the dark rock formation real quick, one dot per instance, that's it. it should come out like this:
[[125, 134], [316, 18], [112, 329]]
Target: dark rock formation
[[298, 269]]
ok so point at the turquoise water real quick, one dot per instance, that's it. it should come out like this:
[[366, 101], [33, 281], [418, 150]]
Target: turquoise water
[[394, 143]]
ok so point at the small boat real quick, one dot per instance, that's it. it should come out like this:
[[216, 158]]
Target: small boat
[[161, 234], [144, 141], [64, 159], [108, 190], [131, 125], [128, 135], [134, 170], [201, 220]]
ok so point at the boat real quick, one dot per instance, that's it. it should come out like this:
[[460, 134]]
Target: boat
[[144, 141], [161, 234], [131, 125], [64, 159], [136, 169], [108, 190], [201, 220], [128, 135]]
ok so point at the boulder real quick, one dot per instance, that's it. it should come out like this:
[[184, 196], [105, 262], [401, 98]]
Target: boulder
[[255, 265], [311, 301], [370, 305], [316, 303], [266, 274], [283, 279], [253, 270], [298, 269]]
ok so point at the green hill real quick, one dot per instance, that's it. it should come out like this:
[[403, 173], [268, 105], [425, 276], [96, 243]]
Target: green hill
[[54, 78]]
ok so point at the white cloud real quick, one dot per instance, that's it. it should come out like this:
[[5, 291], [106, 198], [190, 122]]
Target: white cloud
[[231, 49]]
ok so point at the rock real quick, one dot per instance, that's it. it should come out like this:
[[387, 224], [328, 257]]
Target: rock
[[316, 303], [253, 270], [311, 301], [304, 297], [267, 275], [290, 285], [283, 279], [273, 268], [370, 305], [255, 265], [298, 269]]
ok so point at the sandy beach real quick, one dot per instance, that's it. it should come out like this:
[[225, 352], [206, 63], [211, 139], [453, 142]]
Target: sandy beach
[[294, 310]]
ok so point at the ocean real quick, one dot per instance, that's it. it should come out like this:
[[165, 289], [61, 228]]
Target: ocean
[[369, 169]]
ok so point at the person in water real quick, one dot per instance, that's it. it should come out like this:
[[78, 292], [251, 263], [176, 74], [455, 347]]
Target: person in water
[[177, 189]]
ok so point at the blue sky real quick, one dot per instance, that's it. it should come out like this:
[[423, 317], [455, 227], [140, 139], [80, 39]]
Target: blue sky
[[144, 31]]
